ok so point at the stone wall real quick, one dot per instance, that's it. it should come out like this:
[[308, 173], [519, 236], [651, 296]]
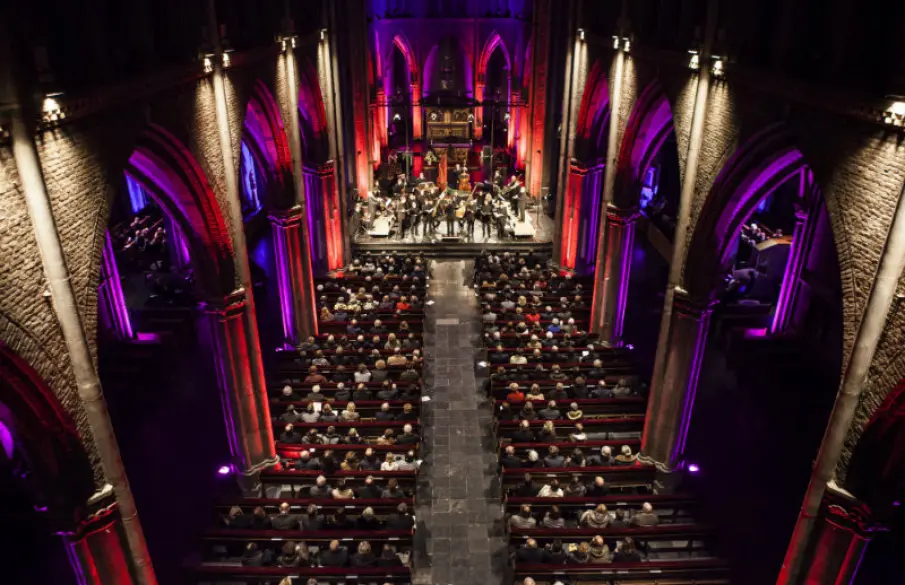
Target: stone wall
[[83, 162]]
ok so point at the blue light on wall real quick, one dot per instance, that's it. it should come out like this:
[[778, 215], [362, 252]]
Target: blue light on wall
[[251, 203], [138, 199]]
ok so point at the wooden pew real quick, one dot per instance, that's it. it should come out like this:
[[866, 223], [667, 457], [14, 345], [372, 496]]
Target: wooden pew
[[210, 574], [671, 508], [702, 571], [614, 428], [622, 478]]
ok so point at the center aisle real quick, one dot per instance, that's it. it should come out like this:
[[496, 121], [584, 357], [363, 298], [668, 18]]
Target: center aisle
[[460, 536]]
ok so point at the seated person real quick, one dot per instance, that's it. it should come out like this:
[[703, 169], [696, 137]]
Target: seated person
[[388, 557], [284, 520], [290, 436], [509, 459], [522, 519], [408, 412], [400, 519], [363, 557], [392, 491], [598, 518], [626, 551], [551, 490], [380, 373], [370, 461], [368, 490], [598, 488], [646, 517], [530, 553], [407, 437], [625, 456], [553, 519], [384, 413], [410, 374], [599, 552], [551, 412], [368, 520], [554, 458], [334, 556]]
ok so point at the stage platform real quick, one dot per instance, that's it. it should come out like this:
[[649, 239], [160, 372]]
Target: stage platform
[[438, 245]]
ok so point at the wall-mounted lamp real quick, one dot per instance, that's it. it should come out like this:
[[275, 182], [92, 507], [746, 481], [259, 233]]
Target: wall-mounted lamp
[[718, 69], [396, 117], [895, 114], [470, 118], [51, 110], [323, 33], [208, 63], [616, 41], [624, 43], [226, 60], [581, 34], [506, 116], [694, 61], [287, 42]]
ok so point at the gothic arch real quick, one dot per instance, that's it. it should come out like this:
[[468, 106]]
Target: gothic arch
[[649, 124], [493, 42], [876, 474], [757, 167], [267, 142], [312, 114], [170, 174], [43, 443], [594, 112], [405, 47]]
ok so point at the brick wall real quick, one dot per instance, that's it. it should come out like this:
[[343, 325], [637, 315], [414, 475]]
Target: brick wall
[[858, 168]]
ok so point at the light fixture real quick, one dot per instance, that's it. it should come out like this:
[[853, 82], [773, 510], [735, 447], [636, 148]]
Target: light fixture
[[717, 68], [225, 470], [396, 117], [616, 41], [282, 44], [506, 117], [323, 33], [226, 61], [694, 62], [895, 114], [581, 34], [470, 118], [51, 109], [626, 44], [693, 468], [208, 63]]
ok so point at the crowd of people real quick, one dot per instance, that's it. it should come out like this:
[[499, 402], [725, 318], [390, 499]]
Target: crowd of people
[[558, 391], [346, 414]]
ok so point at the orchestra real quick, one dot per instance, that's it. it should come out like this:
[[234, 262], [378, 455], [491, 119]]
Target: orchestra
[[419, 207]]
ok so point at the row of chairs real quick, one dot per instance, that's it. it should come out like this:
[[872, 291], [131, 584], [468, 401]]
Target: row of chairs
[[339, 507], [579, 507]]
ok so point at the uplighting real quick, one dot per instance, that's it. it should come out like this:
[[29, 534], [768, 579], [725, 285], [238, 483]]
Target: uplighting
[[895, 114], [693, 468], [581, 34], [224, 470], [717, 68], [52, 112], [694, 62], [207, 63]]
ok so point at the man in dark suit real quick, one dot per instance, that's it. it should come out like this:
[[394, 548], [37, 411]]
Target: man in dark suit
[[335, 556], [450, 219], [284, 520], [510, 460]]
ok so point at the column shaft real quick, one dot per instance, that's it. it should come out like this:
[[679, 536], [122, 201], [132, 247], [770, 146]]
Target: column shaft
[[65, 306], [305, 286], [98, 552], [566, 145], [570, 215], [110, 295], [337, 136], [537, 118], [671, 402], [243, 389], [288, 244], [613, 281], [416, 111], [689, 180], [479, 110], [795, 263]]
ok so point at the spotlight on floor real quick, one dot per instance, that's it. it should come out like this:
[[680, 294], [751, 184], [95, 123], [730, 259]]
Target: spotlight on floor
[[693, 468], [429, 303], [225, 470], [482, 364]]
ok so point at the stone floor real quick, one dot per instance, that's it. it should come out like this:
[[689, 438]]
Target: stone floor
[[460, 537]]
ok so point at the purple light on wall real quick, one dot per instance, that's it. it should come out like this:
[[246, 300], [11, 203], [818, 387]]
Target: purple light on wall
[[138, 199], [693, 468], [112, 292], [6, 441], [225, 470], [284, 280]]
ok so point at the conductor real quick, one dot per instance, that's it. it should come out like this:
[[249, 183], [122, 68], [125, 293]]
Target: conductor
[[450, 219]]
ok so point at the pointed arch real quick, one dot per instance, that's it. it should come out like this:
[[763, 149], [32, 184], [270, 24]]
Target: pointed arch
[[42, 435], [595, 100], [756, 168], [649, 125], [493, 42], [265, 138], [170, 174], [405, 47]]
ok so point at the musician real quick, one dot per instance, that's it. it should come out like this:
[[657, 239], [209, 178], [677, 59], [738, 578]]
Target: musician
[[401, 224], [522, 203], [373, 202], [485, 214], [450, 218], [469, 218], [400, 186], [427, 217], [414, 212], [453, 179], [511, 191], [499, 216], [420, 179], [498, 177]]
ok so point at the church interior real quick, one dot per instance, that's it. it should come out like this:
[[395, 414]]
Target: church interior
[[573, 292]]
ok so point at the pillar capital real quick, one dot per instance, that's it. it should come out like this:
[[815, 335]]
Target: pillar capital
[[621, 217], [284, 218], [686, 306], [231, 305], [844, 511]]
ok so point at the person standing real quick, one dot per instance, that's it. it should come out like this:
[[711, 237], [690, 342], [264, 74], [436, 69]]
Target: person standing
[[450, 219], [522, 203], [401, 218], [470, 219]]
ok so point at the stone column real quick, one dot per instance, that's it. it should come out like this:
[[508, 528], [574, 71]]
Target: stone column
[[479, 109], [613, 281], [288, 245], [97, 550], [380, 119], [240, 375], [537, 117], [843, 530], [110, 295], [416, 111], [671, 401], [333, 215], [513, 128], [798, 257], [568, 210]]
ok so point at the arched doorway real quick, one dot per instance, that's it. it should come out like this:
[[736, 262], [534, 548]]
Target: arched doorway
[[47, 481], [753, 395]]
